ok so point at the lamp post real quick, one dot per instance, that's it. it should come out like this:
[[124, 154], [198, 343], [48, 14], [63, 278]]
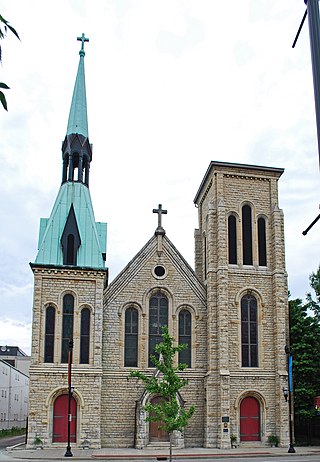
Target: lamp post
[[287, 393], [70, 390]]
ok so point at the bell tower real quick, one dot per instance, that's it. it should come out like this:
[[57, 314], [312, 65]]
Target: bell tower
[[241, 260], [69, 281]]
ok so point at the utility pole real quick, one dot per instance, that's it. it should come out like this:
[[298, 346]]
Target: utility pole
[[312, 12], [68, 451]]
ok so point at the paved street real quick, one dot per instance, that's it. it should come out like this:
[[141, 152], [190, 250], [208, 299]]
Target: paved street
[[7, 457], [11, 441], [258, 454]]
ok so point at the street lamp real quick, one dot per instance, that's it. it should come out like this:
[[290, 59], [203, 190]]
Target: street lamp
[[70, 391], [287, 396]]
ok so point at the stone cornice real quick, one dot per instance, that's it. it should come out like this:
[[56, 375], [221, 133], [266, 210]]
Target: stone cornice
[[71, 271]]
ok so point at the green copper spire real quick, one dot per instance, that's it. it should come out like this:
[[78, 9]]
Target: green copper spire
[[71, 236], [78, 120]]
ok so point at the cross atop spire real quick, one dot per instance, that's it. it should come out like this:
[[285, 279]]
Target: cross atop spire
[[160, 212], [82, 39]]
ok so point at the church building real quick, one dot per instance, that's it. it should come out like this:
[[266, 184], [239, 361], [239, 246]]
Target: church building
[[231, 310]]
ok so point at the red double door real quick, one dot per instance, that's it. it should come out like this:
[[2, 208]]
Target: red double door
[[60, 420], [250, 419]]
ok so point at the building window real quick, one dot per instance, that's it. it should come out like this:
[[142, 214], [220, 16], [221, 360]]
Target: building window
[[70, 239], [158, 317], [131, 338], [247, 235], [232, 239], [85, 336], [49, 334], [185, 337], [249, 331], [67, 326], [262, 246]]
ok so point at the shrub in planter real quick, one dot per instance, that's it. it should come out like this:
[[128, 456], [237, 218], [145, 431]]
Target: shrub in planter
[[273, 440]]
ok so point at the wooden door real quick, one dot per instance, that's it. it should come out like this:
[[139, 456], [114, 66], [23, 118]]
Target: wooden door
[[60, 420], [250, 419], [156, 434]]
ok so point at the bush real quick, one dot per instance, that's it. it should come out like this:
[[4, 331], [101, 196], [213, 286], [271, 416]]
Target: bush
[[14, 431]]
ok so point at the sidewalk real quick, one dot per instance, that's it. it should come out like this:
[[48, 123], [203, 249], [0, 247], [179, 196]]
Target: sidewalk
[[155, 454]]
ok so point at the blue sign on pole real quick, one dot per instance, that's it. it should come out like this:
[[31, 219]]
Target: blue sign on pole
[[290, 373]]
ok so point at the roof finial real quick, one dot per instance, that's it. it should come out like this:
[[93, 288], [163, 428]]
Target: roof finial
[[82, 39], [160, 211]]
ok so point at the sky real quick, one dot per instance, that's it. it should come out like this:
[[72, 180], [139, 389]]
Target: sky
[[171, 85]]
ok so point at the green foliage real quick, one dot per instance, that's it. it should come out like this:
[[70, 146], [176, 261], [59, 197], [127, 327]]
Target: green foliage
[[14, 431], [166, 384], [273, 440], [4, 26], [305, 347], [314, 305]]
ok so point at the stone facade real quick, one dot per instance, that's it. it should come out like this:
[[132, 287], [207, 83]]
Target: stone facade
[[110, 408], [50, 380]]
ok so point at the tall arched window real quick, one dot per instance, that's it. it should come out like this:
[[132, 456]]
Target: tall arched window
[[49, 334], [85, 336], [262, 246], [247, 234], [185, 337], [249, 331], [67, 326], [158, 317], [131, 338], [232, 239]]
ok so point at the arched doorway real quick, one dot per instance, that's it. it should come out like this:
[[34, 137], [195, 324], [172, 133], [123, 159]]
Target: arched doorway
[[156, 434], [250, 419], [60, 420]]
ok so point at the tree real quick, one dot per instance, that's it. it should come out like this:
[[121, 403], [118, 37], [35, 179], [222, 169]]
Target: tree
[[315, 284], [4, 26], [305, 347], [166, 385]]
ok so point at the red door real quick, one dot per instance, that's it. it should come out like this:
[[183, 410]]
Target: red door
[[156, 434], [60, 420], [249, 419]]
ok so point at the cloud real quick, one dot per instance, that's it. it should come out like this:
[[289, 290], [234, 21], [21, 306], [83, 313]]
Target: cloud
[[171, 86], [16, 333]]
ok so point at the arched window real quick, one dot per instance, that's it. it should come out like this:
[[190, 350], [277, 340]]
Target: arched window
[[185, 337], [85, 336], [262, 246], [158, 317], [49, 334], [131, 338], [232, 239], [247, 235], [249, 331], [67, 326]]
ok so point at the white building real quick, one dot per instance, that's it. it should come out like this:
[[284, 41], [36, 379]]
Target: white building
[[14, 390]]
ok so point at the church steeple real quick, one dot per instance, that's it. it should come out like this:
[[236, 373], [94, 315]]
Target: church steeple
[[70, 236], [76, 149]]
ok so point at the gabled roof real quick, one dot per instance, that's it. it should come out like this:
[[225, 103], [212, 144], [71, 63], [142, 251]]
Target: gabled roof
[[132, 269]]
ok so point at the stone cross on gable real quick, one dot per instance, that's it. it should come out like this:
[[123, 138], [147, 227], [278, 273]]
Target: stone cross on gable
[[160, 212], [82, 39]]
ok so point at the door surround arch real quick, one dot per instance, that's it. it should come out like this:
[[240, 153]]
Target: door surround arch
[[142, 434], [51, 398], [262, 409]]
